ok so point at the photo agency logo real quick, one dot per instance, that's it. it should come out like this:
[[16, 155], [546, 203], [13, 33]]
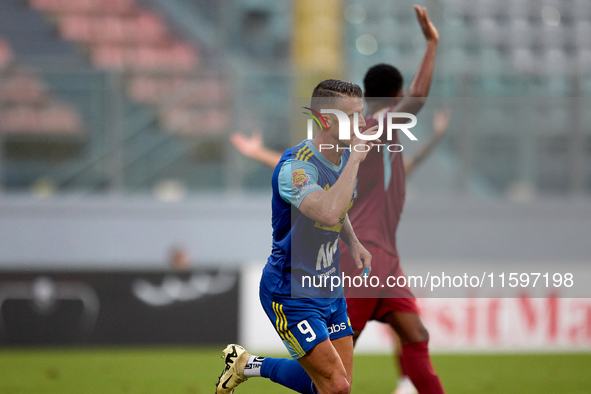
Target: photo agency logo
[[393, 122]]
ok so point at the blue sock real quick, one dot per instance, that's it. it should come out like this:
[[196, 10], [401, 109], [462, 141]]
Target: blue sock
[[288, 373]]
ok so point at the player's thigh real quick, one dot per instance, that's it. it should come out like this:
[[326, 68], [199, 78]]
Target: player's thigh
[[360, 311], [408, 326], [344, 347], [341, 334], [324, 366]]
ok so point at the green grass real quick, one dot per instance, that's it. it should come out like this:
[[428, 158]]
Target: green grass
[[194, 371]]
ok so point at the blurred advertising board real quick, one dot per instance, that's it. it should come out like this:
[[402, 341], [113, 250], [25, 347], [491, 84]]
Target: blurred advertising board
[[118, 308], [524, 320]]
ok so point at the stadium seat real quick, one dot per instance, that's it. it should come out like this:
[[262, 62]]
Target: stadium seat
[[489, 8], [59, 119], [489, 31], [109, 7], [21, 119], [584, 61], [22, 89], [203, 92], [456, 36], [524, 60], [53, 119], [558, 86], [173, 56], [144, 89], [583, 33], [553, 36], [556, 62], [111, 29], [144, 28], [5, 54], [189, 91], [518, 9], [582, 8], [194, 122], [76, 28], [491, 61], [183, 56], [469, 8], [149, 28], [145, 57], [108, 56], [521, 34]]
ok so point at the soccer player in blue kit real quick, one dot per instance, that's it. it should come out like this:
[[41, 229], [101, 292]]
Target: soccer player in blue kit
[[312, 192]]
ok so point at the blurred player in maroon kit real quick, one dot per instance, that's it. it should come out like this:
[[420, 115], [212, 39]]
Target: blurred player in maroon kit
[[377, 208]]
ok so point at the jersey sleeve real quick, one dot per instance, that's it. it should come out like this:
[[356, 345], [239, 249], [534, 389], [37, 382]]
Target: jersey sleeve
[[296, 180]]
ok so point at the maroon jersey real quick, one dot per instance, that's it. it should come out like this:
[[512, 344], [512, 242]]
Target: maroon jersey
[[379, 195]]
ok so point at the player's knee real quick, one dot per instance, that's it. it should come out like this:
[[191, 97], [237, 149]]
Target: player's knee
[[340, 387], [417, 334], [425, 335], [422, 334]]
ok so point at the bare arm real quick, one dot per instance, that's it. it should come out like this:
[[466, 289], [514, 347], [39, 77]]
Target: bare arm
[[347, 234], [420, 86], [253, 147], [440, 123], [359, 254], [327, 206]]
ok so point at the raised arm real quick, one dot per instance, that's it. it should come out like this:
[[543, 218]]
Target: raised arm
[[440, 123], [253, 147], [419, 88]]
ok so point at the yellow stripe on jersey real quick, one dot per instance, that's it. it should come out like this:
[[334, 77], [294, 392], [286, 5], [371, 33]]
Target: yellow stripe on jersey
[[308, 156], [298, 154], [276, 321], [293, 338], [280, 323], [302, 152]]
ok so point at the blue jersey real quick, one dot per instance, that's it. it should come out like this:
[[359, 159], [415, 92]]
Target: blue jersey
[[305, 252]]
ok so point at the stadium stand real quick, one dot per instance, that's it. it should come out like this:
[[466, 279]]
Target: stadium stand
[[506, 48], [32, 38], [179, 77], [26, 104], [124, 36], [27, 107]]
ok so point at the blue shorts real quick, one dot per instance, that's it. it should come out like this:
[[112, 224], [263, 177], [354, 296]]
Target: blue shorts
[[302, 325]]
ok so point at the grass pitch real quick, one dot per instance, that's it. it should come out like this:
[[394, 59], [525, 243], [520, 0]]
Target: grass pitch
[[194, 371]]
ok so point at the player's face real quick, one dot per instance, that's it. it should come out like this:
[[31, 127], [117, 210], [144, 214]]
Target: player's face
[[350, 106]]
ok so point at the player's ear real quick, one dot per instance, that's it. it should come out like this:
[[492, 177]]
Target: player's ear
[[328, 120]]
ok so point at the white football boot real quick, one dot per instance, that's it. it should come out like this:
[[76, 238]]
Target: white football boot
[[235, 358], [405, 386]]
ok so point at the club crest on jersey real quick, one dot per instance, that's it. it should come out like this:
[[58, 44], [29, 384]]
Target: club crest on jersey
[[299, 178]]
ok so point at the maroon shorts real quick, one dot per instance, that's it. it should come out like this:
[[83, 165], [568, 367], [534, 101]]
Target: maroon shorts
[[367, 303]]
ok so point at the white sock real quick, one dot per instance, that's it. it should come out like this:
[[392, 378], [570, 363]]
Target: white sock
[[253, 366]]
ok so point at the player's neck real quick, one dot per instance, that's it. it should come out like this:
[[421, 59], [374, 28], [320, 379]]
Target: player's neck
[[330, 154], [377, 107]]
